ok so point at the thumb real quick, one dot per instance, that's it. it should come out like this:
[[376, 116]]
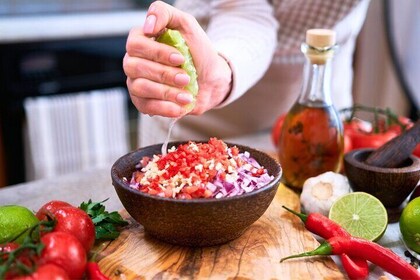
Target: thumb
[[162, 15]]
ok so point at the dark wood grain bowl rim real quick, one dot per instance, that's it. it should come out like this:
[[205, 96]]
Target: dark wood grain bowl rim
[[116, 180], [351, 159]]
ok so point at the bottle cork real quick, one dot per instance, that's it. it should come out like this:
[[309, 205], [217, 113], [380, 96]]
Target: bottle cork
[[320, 40]]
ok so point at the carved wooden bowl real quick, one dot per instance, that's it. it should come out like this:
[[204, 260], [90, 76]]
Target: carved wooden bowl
[[390, 185], [195, 222]]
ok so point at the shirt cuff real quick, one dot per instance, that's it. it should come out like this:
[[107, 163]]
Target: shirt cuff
[[229, 97]]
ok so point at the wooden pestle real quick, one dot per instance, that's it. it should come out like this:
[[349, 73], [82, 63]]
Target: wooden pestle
[[397, 150]]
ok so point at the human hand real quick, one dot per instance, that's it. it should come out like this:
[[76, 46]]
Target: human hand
[[155, 80]]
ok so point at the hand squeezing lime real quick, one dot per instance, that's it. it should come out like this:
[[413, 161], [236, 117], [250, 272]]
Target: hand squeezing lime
[[174, 38]]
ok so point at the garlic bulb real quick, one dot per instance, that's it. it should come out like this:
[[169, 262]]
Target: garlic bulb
[[320, 192]]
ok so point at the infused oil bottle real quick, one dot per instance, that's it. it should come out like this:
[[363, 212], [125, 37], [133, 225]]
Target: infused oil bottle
[[311, 141]]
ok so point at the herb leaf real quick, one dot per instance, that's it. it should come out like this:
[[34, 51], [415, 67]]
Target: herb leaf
[[106, 223]]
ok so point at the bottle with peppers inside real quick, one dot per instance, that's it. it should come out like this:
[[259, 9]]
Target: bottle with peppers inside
[[311, 141]]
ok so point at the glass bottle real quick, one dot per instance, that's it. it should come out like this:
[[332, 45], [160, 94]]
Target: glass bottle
[[311, 141]]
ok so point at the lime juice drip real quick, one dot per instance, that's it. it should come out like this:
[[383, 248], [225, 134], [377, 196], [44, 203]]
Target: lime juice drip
[[164, 150]]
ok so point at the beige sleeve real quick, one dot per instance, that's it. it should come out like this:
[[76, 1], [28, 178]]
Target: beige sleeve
[[244, 33]]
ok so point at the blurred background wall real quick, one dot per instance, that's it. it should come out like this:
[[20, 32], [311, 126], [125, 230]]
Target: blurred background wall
[[61, 77], [377, 80]]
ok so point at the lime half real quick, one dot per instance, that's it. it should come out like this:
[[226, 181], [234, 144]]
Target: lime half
[[361, 214]]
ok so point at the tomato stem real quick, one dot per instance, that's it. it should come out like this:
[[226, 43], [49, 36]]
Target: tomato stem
[[376, 118], [390, 117], [30, 246], [12, 258]]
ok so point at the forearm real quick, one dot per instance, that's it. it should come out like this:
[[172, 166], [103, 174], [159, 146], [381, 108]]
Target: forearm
[[245, 33]]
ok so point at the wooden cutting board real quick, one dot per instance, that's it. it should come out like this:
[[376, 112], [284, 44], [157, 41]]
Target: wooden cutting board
[[254, 255]]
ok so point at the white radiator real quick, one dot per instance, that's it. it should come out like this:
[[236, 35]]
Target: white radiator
[[73, 132]]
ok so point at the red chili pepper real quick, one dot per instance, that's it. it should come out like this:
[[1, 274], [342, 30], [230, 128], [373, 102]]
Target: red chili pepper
[[362, 248], [93, 272], [357, 269], [320, 225]]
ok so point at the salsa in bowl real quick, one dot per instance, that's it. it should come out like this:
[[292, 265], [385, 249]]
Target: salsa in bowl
[[195, 221], [200, 170]]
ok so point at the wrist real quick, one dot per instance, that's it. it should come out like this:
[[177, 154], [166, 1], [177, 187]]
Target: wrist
[[227, 89]]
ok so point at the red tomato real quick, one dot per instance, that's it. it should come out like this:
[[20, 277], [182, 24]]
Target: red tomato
[[46, 271], [416, 151], [11, 246], [404, 121], [361, 135], [64, 250], [23, 257], [8, 247], [348, 146], [51, 207], [357, 134], [372, 140], [51, 271], [276, 129], [356, 126], [76, 222]]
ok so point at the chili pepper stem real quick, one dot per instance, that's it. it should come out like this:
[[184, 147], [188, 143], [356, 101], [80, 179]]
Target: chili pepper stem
[[302, 216], [323, 250]]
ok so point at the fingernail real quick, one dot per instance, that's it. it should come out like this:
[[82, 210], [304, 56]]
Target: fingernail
[[149, 24], [176, 58], [184, 98], [182, 79]]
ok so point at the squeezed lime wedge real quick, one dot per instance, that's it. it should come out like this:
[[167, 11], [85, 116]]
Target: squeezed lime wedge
[[174, 38]]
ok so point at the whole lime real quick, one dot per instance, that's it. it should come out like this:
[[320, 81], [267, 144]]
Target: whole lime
[[14, 220], [410, 225]]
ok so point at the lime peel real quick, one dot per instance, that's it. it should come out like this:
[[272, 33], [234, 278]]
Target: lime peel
[[174, 38], [410, 225], [14, 221], [361, 214]]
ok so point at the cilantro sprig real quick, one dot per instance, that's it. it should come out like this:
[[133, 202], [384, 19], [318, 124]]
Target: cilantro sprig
[[106, 223]]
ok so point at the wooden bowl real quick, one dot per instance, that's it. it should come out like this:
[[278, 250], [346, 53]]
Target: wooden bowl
[[195, 222], [390, 185]]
